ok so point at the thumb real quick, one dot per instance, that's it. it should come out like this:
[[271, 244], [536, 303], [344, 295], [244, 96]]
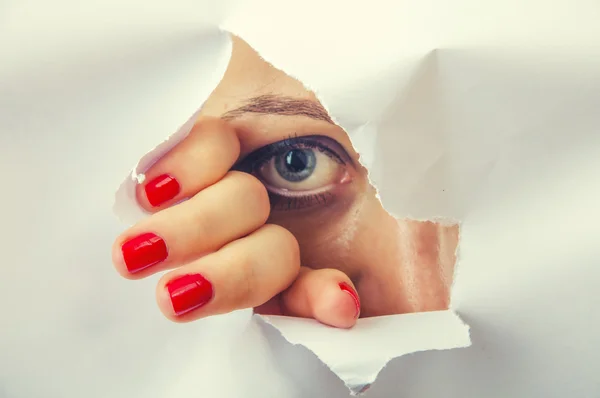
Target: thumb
[[327, 295]]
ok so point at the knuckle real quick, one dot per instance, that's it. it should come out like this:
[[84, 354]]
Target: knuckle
[[253, 290], [287, 245], [256, 197], [332, 274], [205, 225], [245, 294], [218, 132], [195, 222], [208, 124]]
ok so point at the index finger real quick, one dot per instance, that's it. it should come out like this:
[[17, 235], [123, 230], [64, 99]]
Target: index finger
[[200, 160]]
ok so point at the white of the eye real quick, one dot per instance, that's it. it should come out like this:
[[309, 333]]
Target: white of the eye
[[327, 171]]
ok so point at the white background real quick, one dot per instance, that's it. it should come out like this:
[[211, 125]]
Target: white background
[[502, 123]]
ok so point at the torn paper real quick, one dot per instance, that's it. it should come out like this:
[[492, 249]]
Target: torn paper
[[494, 106], [320, 191], [358, 355]]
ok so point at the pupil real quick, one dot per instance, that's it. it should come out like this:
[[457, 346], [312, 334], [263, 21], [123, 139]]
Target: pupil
[[296, 165], [296, 161]]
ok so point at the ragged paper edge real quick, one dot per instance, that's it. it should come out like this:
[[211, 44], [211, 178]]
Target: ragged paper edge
[[126, 207], [372, 340], [357, 371], [356, 385]]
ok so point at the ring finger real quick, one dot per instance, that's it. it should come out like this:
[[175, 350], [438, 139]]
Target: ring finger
[[234, 207]]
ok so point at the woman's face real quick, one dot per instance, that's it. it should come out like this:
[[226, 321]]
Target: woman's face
[[321, 193]]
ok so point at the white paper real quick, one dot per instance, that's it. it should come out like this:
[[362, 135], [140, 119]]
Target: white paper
[[501, 100], [357, 369], [357, 355]]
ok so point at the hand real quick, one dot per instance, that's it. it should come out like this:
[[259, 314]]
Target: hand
[[280, 216], [223, 255]]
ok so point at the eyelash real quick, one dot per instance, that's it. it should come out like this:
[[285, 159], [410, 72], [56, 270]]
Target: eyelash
[[258, 158]]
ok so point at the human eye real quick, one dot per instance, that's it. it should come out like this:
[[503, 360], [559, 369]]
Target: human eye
[[299, 172]]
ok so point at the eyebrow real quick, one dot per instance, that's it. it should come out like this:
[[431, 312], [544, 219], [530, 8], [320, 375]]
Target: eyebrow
[[280, 105]]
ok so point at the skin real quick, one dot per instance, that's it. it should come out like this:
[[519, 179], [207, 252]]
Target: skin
[[260, 252]]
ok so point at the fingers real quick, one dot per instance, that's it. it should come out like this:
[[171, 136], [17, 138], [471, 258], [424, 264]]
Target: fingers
[[200, 160], [233, 261], [234, 207], [326, 295], [244, 274]]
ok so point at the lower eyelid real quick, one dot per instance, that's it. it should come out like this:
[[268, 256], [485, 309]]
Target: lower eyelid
[[305, 199], [285, 203], [298, 200], [297, 194]]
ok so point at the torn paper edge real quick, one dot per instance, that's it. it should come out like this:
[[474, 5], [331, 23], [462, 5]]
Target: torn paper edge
[[356, 385], [371, 127], [126, 206], [128, 211], [413, 333]]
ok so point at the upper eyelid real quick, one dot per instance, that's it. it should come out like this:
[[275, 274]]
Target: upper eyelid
[[261, 153]]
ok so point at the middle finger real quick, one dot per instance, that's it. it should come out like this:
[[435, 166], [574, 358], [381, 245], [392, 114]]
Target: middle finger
[[234, 207]]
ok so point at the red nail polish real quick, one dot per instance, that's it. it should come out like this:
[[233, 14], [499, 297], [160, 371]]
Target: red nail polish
[[161, 189], [143, 251], [348, 289], [189, 292]]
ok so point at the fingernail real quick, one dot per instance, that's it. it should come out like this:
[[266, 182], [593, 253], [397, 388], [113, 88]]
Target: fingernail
[[161, 189], [348, 289], [189, 292], [143, 251]]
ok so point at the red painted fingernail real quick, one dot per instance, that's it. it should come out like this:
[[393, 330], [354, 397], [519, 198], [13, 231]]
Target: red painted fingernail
[[189, 292], [348, 289], [143, 251], [161, 189]]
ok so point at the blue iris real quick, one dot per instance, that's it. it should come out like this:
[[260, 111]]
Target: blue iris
[[296, 165]]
